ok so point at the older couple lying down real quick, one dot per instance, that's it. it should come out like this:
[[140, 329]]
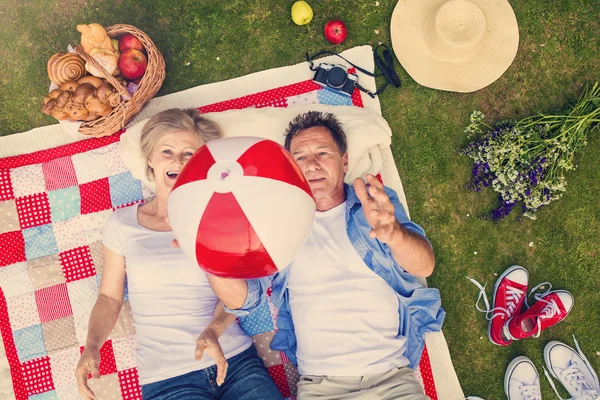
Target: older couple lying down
[[347, 310]]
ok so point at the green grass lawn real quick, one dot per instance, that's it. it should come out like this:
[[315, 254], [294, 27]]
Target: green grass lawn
[[559, 52]]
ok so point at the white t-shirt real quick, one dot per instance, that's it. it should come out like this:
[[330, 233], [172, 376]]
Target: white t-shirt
[[345, 315], [171, 300]]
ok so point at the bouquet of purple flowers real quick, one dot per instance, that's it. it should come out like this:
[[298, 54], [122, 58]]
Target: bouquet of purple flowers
[[525, 161]]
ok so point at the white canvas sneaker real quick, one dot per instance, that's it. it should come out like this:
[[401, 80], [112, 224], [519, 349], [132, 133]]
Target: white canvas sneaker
[[572, 369], [521, 380]]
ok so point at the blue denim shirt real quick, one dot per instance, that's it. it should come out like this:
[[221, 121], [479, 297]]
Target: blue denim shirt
[[419, 307]]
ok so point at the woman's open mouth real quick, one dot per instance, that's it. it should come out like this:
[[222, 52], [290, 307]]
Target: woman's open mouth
[[172, 175]]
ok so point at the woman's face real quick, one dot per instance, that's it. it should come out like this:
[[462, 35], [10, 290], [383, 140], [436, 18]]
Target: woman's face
[[172, 151]]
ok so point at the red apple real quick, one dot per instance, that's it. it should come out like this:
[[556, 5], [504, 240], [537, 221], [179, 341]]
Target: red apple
[[129, 41], [335, 31], [132, 64]]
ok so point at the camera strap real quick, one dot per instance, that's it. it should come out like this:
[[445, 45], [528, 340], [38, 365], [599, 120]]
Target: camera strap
[[385, 65]]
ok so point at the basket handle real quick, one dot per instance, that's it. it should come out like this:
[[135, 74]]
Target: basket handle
[[111, 79]]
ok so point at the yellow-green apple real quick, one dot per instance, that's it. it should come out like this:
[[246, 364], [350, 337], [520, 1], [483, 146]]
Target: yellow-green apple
[[302, 14]]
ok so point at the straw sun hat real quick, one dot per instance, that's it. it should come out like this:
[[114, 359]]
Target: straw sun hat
[[455, 45]]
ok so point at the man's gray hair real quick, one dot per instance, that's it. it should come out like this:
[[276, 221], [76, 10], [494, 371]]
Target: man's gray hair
[[317, 118]]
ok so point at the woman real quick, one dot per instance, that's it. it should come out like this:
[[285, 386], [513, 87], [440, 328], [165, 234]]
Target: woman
[[171, 299]]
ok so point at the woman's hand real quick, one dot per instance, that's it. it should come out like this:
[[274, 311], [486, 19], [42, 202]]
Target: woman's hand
[[88, 364], [208, 342]]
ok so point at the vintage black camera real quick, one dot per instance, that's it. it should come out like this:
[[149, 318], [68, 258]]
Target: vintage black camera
[[336, 77]]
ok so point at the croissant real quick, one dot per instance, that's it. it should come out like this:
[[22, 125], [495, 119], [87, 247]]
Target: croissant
[[64, 67], [94, 36]]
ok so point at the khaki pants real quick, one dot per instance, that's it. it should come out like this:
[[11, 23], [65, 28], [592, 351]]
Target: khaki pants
[[397, 384]]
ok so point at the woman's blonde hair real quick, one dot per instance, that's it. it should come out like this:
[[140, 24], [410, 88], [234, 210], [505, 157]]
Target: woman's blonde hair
[[172, 120]]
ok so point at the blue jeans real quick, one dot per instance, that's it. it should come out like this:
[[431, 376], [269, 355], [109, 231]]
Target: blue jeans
[[247, 379]]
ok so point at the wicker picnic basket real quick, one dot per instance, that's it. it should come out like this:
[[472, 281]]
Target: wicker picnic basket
[[148, 86]]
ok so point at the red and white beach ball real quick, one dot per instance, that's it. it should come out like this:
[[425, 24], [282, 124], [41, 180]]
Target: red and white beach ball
[[241, 207]]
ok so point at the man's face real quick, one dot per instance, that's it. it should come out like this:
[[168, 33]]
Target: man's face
[[320, 160]]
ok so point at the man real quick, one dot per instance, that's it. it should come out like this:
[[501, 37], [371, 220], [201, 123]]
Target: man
[[349, 300]]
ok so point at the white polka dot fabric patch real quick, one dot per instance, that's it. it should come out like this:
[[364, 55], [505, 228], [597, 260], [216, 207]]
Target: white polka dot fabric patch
[[63, 365], [83, 294], [28, 180], [16, 278], [306, 98], [22, 311], [124, 349], [68, 392], [93, 224], [69, 234], [98, 163]]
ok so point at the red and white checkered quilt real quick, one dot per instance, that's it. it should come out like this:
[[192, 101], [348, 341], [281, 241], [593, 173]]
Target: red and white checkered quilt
[[53, 206]]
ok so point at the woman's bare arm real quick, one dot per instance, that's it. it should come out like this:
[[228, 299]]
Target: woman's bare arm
[[102, 319]]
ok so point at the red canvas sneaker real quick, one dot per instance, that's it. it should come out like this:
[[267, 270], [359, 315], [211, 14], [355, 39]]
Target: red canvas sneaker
[[550, 308], [509, 294]]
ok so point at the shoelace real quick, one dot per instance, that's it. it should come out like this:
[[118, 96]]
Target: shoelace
[[530, 392], [539, 295], [549, 311], [576, 379], [513, 296]]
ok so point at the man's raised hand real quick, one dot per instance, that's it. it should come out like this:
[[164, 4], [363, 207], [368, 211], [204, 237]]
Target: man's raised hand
[[378, 209]]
